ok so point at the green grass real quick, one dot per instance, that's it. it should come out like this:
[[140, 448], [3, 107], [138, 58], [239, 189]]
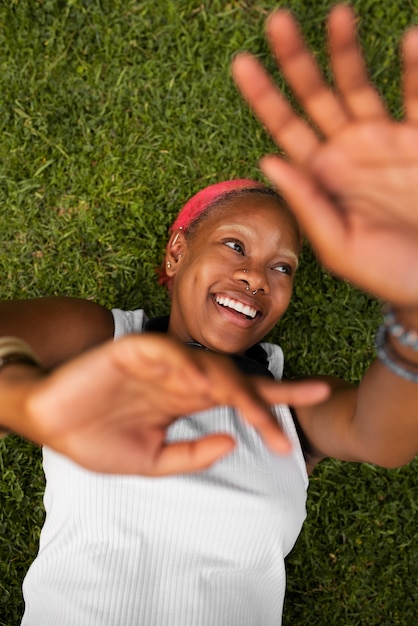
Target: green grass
[[112, 113]]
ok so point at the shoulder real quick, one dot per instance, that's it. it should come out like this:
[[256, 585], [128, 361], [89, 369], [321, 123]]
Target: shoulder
[[275, 359], [128, 322]]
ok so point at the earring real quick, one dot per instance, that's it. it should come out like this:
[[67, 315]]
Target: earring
[[254, 292], [176, 237], [168, 264]]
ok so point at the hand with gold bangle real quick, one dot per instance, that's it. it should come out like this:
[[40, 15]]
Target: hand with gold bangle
[[109, 409]]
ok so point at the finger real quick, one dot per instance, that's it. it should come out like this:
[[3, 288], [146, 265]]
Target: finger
[[228, 387], [245, 397], [191, 456], [269, 393], [287, 129], [126, 453], [303, 75], [295, 393], [358, 95], [324, 226], [256, 411], [410, 74]]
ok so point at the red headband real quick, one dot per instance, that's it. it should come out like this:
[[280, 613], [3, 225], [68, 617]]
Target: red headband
[[204, 198], [198, 203]]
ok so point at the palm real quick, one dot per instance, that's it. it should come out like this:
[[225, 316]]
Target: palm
[[354, 190], [366, 227]]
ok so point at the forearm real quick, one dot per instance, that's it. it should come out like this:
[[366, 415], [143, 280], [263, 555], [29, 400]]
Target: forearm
[[385, 421], [376, 422]]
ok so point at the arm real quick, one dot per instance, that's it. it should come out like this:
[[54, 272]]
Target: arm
[[109, 409], [56, 329], [353, 190], [376, 422]]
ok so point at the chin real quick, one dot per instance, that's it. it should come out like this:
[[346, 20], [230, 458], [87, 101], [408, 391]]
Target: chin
[[226, 347], [228, 342]]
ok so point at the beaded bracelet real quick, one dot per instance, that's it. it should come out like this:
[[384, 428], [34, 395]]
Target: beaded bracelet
[[386, 355], [14, 350], [406, 337]]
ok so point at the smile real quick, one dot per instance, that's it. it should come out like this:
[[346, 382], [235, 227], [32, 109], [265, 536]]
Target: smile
[[245, 309]]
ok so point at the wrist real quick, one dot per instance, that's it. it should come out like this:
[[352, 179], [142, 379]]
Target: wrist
[[397, 345], [16, 383], [19, 370], [406, 316], [402, 331]]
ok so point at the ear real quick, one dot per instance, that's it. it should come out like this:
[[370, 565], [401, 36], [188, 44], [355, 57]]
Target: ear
[[175, 252]]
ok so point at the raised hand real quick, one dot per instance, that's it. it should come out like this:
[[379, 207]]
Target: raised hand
[[109, 409], [354, 189]]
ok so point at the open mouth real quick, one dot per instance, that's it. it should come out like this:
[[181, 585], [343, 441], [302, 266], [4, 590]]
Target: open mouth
[[245, 310]]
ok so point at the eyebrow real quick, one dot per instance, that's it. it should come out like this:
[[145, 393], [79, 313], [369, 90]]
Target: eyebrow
[[292, 255], [247, 231], [239, 227]]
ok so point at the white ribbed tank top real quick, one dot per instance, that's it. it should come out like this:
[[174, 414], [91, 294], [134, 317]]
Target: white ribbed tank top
[[205, 549]]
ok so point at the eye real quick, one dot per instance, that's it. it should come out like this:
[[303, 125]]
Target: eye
[[284, 268], [235, 245]]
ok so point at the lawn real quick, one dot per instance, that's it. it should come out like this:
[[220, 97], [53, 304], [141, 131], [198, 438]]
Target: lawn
[[112, 113]]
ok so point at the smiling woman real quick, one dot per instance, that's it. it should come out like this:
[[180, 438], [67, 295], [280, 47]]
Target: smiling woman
[[201, 386], [105, 128], [230, 263]]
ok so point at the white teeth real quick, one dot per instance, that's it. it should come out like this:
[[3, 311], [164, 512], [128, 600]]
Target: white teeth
[[247, 310]]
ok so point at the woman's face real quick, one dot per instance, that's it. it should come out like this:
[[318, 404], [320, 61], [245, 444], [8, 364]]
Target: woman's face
[[252, 242]]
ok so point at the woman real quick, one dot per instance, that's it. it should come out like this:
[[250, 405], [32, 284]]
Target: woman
[[63, 409], [209, 547]]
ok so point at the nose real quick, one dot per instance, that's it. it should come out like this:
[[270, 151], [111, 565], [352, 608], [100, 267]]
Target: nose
[[255, 279]]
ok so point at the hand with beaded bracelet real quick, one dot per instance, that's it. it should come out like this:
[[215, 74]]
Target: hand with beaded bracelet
[[352, 182], [369, 237]]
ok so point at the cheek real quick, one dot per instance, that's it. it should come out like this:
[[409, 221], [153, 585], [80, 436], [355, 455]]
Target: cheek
[[283, 297], [192, 281], [289, 292], [282, 288], [204, 270]]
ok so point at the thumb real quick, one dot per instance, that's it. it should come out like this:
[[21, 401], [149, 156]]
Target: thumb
[[191, 456]]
